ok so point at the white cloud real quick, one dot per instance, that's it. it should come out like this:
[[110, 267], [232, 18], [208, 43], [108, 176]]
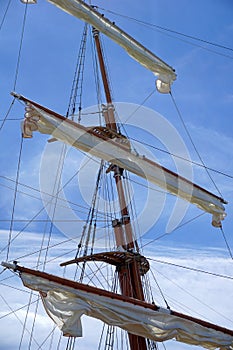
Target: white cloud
[[198, 294]]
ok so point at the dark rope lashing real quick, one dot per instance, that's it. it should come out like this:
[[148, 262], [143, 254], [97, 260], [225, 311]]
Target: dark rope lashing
[[70, 343], [77, 85], [151, 345]]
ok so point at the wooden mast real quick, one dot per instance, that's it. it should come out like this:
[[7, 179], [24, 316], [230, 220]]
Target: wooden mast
[[128, 274]]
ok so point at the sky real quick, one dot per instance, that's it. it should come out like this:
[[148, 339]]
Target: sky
[[42, 69]]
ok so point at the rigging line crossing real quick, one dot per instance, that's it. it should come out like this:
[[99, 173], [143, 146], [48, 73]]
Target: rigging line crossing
[[15, 288], [151, 188], [192, 269], [77, 84], [20, 47], [177, 156], [7, 113], [181, 225], [138, 107], [34, 322], [14, 311], [160, 290], [25, 320], [194, 297], [48, 337], [90, 215], [170, 30], [56, 187], [50, 195], [15, 314], [50, 247], [39, 198], [40, 211], [94, 274], [14, 200], [193, 144], [48, 220], [196, 45], [92, 207]]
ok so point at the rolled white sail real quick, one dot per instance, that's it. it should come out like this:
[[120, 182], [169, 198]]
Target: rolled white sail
[[116, 151], [29, 1], [163, 71], [66, 301]]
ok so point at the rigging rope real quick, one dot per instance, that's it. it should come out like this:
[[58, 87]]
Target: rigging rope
[[194, 297], [20, 47], [15, 311], [14, 200], [225, 239], [138, 107], [191, 269], [181, 225], [15, 314], [193, 144], [42, 208], [89, 221], [25, 320], [78, 79], [56, 190], [182, 158], [7, 113], [160, 290], [159, 28], [5, 13], [49, 195], [33, 323]]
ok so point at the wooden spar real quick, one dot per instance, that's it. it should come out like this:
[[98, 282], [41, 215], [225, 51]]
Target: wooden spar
[[78, 8], [116, 258], [129, 275], [103, 72], [170, 181], [111, 295], [105, 138]]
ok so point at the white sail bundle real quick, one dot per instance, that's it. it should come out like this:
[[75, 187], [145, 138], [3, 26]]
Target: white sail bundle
[[38, 118], [165, 74], [66, 301]]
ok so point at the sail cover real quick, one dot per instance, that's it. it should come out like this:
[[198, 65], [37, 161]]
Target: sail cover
[[65, 304], [165, 74], [38, 118]]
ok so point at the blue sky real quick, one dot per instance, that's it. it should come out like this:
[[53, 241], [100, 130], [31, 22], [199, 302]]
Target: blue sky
[[202, 91]]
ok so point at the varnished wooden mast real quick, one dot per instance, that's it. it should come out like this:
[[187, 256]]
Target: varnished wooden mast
[[129, 275]]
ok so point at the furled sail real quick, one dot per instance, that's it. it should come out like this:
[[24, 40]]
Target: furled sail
[[116, 151], [66, 301], [29, 1], [165, 74]]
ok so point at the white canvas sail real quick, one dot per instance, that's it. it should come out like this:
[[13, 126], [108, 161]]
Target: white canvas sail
[[165, 74], [38, 118], [66, 301]]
